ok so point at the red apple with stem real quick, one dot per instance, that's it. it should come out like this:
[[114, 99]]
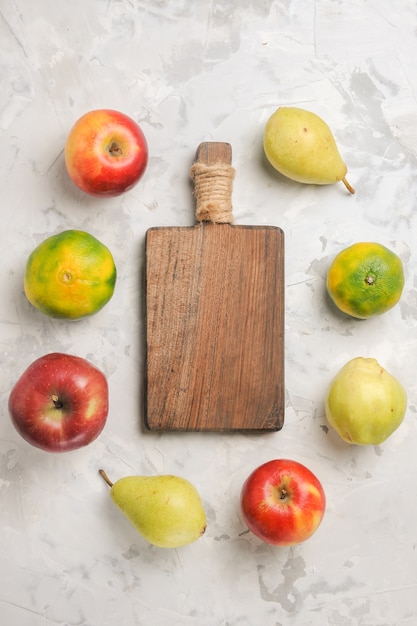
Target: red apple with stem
[[282, 502], [106, 153], [59, 403]]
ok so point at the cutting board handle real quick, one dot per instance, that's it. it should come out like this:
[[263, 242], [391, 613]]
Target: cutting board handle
[[213, 176]]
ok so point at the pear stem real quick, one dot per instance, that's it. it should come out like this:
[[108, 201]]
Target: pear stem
[[106, 478], [348, 185]]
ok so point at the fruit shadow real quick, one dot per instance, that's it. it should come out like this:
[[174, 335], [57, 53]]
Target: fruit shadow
[[84, 207], [272, 173], [336, 312]]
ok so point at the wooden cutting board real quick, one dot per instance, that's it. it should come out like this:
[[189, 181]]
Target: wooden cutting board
[[214, 314]]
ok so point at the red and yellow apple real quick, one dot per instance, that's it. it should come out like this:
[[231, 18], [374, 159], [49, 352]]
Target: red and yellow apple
[[282, 502], [59, 403], [106, 153]]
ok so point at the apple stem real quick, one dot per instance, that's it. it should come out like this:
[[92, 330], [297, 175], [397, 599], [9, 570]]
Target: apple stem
[[57, 402], [348, 185], [106, 478], [115, 149]]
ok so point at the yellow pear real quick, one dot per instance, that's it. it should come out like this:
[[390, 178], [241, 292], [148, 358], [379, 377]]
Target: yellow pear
[[166, 510], [301, 146], [364, 403]]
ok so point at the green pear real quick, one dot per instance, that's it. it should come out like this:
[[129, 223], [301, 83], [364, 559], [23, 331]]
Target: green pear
[[301, 146], [364, 403], [166, 510]]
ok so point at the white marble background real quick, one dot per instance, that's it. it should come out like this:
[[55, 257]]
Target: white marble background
[[189, 72]]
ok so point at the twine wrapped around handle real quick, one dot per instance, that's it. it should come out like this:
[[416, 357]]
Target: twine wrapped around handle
[[213, 192]]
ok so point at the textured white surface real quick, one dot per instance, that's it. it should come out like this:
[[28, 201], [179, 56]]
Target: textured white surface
[[189, 72]]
